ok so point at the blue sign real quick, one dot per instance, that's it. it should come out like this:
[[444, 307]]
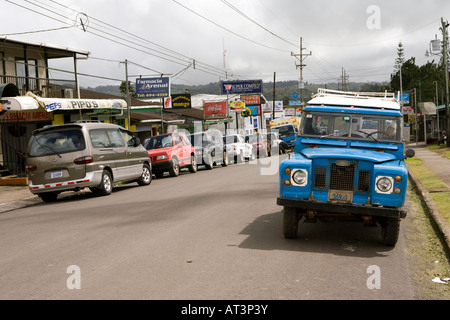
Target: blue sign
[[244, 86], [405, 97], [295, 103], [295, 95], [152, 87]]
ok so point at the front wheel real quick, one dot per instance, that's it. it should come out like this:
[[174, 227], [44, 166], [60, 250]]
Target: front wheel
[[146, 177], [193, 166], [390, 229], [175, 169], [225, 159], [290, 222]]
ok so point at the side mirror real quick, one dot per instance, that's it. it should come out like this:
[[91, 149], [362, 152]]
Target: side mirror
[[410, 153], [283, 146], [137, 141]]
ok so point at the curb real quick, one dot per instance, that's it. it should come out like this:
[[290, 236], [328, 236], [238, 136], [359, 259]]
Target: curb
[[425, 197]]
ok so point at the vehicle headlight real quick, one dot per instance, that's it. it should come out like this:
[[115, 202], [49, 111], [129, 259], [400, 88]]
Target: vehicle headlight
[[384, 184], [161, 157], [299, 177]]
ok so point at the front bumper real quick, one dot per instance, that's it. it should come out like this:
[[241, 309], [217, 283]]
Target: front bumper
[[162, 165], [343, 208]]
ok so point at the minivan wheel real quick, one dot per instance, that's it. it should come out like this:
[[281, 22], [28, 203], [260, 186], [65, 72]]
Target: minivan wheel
[[48, 196], [146, 177], [106, 185]]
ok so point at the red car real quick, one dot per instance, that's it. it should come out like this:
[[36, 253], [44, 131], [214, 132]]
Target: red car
[[171, 152], [259, 144]]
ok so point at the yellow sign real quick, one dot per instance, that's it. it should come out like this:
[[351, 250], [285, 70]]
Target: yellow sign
[[237, 105]]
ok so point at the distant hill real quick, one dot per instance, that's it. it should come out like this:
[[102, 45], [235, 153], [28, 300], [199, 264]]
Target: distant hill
[[283, 89]]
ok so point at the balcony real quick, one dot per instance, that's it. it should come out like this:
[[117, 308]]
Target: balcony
[[43, 87]]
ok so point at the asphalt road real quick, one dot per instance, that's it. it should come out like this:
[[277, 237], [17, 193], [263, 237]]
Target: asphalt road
[[210, 235]]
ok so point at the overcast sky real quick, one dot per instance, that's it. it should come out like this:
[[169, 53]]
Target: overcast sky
[[249, 39]]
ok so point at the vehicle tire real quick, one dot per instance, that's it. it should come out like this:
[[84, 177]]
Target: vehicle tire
[[106, 184], [175, 169], [390, 229], [269, 151], [225, 159], [290, 222], [146, 177], [193, 166], [209, 162], [241, 158], [48, 196]]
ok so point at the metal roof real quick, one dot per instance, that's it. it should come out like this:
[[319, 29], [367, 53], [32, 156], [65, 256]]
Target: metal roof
[[52, 51]]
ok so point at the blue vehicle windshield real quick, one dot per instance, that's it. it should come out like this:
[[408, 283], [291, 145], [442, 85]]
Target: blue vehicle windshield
[[351, 126]]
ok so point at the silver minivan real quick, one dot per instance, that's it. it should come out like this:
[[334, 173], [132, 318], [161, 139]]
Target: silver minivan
[[84, 154]]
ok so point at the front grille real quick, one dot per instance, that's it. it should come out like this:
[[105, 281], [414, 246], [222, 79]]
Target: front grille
[[320, 178], [364, 180], [342, 178], [346, 178]]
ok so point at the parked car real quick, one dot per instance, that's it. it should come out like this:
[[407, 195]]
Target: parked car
[[238, 149], [171, 152], [273, 142], [79, 155], [259, 144], [209, 148]]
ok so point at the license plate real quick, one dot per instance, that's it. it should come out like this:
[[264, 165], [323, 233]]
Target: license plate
[[56, 174], [340, 196]]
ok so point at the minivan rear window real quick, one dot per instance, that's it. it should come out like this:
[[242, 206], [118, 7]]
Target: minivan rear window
[[56, 142]]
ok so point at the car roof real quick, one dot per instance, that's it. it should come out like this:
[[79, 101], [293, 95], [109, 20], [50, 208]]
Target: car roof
[[78, 125]]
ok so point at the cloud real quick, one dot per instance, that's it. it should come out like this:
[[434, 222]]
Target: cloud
[[257, 36]]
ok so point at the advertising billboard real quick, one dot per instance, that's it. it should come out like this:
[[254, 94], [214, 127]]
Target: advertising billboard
[[149, 88], [241, 86]]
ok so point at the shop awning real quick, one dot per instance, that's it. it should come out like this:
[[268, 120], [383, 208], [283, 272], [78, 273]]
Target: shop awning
[[428, 108], [31, 101]]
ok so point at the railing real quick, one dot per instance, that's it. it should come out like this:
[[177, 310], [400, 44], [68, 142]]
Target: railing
[[47, 88]]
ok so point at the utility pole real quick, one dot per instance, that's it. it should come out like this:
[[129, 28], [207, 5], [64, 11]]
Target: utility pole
[[273, 98], [127, 93], [445, 52], [302, 56], [343, 79]]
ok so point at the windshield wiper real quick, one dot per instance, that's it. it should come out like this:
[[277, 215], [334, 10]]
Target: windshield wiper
[[369, 134], [45, 146]]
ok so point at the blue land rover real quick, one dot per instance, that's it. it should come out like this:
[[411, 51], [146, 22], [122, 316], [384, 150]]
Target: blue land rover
[[348, 164]]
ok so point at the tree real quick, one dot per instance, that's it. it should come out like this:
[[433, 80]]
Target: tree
[[400, 57], [123, 89]]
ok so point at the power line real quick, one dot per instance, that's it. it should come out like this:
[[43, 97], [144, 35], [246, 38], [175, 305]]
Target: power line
[[232, 32], [203, 67], [258, 24]]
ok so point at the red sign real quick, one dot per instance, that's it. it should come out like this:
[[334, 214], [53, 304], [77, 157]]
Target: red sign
[[252, 99], [26, 116], [215, 109]]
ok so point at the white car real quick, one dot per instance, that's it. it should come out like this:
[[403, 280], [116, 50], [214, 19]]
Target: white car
[[238, 149], [274, 140]]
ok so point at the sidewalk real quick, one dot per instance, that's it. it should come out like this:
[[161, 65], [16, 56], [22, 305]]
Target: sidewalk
[[440, 166]]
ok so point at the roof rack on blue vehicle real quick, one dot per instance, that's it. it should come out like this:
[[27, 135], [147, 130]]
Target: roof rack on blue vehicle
[[379, 100]]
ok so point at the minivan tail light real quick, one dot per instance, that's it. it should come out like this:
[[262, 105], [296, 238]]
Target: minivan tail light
[[84, 160], [30, 167]]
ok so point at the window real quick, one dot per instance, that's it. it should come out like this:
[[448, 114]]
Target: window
[[115, 138], [128, 138], [99, 138], [359, 126], [56, 142]]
